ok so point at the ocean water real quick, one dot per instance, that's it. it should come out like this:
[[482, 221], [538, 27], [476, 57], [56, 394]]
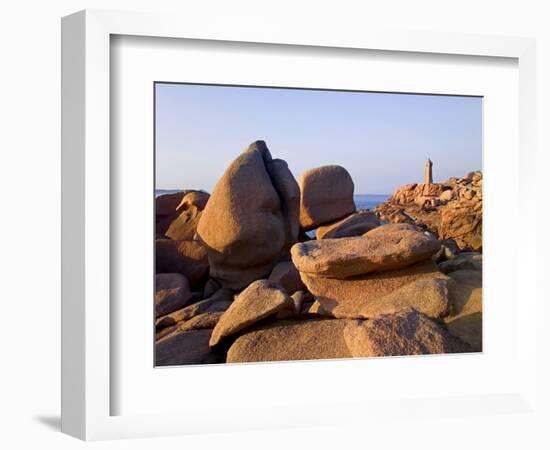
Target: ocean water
[[362, 201]]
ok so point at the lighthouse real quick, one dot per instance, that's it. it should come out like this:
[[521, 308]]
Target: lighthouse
[[428, 172]]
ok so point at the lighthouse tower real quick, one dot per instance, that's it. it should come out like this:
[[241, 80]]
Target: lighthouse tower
[[428, 179]]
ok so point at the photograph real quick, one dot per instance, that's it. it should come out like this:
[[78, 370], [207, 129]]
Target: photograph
[[300, 224]]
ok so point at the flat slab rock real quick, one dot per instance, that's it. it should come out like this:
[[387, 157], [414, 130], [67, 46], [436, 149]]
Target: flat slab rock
[[355, 224], [405, 333], [219, 301], [292, 341], [420, 285], [184, 348], [259, 300], [379, 252]]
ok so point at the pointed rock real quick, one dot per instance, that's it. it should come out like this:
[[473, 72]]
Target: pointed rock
[[258, 301]]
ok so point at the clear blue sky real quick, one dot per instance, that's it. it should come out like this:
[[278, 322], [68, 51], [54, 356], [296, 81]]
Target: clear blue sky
[[382, 139]]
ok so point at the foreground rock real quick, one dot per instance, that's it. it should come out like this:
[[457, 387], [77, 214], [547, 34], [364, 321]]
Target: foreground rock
[[188, 258], [355, 224], [401, 334], [346, 257], [371, 294], [183, 348], [172, 292], [220, 301], [258, 301], [207, 320], [326, 195], [291, 341], [465, 320], [250, 218]]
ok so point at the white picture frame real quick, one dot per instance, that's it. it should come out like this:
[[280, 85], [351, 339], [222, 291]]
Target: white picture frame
[[86, 197]]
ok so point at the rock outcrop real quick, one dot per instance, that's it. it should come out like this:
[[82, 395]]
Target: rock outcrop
[[240, 276], [326, 195], [451, 210], [250, 219]]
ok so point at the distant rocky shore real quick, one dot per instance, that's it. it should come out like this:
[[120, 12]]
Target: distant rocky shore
[[239, 279]]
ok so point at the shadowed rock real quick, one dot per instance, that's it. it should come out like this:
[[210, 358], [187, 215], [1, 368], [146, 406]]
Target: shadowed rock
[[183, 348], [220, 301], [465, 320], [172, 292], [286, 275], [186, 257]]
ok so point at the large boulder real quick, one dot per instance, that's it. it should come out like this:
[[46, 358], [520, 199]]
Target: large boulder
[[465, 320], [387, 249], [363, 295], [287, 276], [355, 224], [172, 292], [250, 219], [186, 257], [259, 300], [326, 195], [405, 333], [183, 348], [291, 341]]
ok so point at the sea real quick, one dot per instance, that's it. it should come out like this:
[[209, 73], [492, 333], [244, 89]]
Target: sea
[[362, 201]]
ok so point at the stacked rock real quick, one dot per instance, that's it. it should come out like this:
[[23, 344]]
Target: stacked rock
[[240, 280]]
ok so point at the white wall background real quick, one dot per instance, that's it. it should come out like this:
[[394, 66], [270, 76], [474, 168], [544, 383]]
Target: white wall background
[[30, 192]]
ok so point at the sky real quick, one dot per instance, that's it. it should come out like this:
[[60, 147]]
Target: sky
[[382, 139]]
